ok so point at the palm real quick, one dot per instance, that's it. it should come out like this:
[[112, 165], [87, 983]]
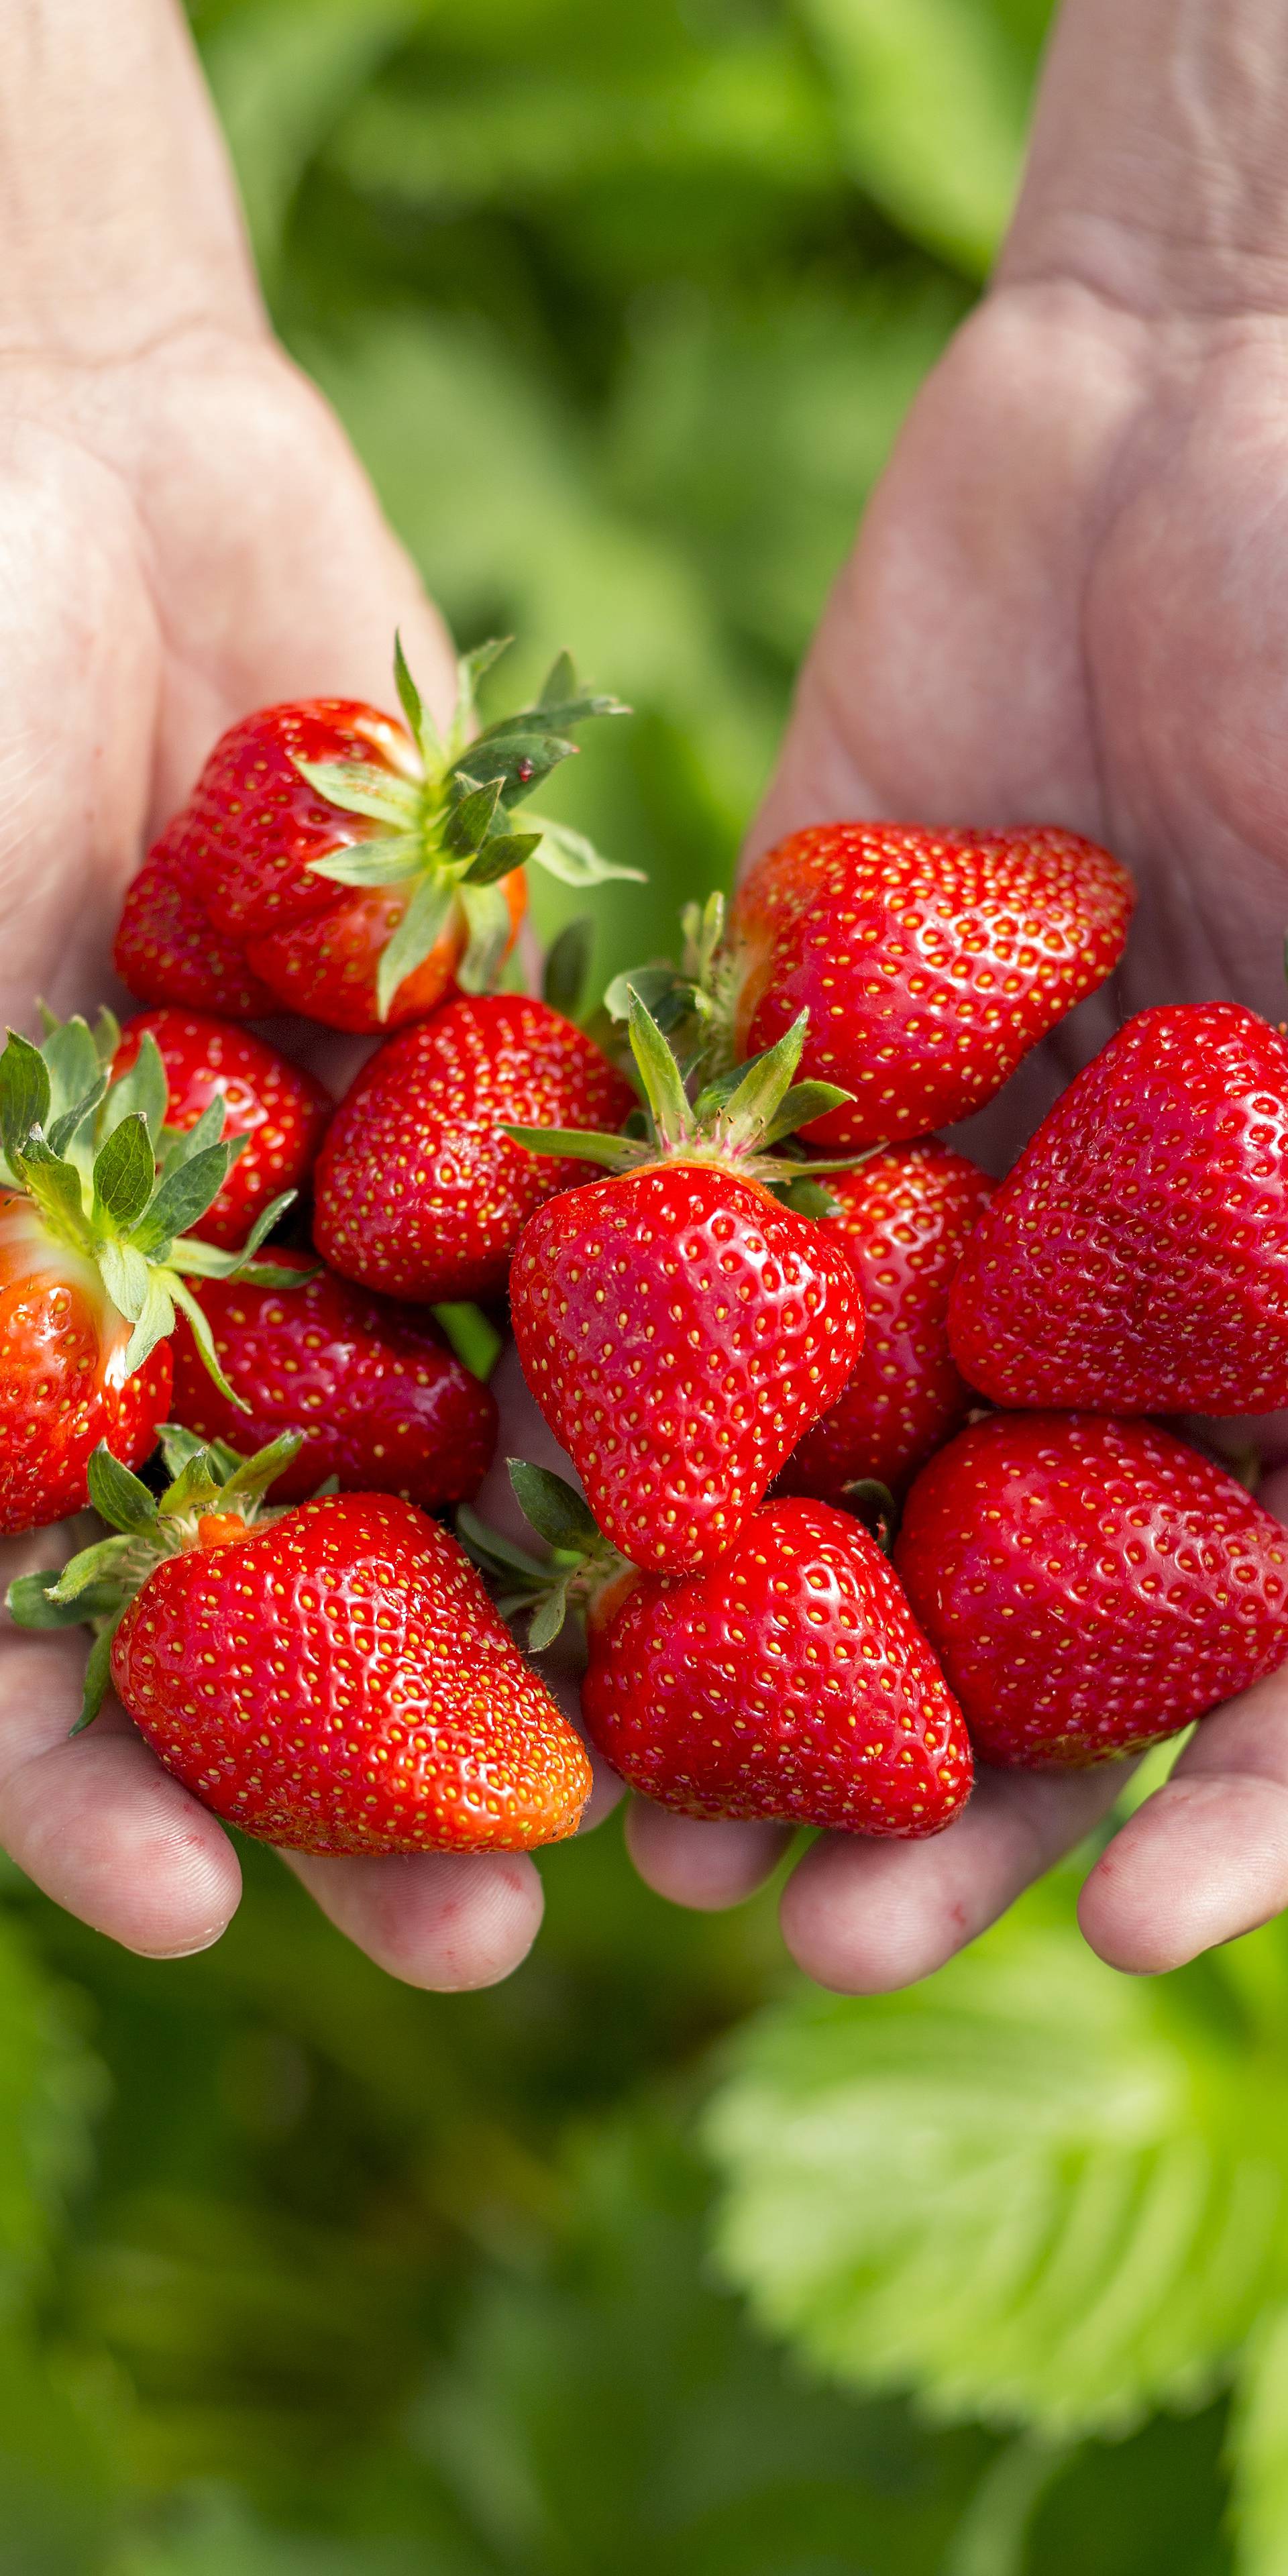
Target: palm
[[1065, 606]]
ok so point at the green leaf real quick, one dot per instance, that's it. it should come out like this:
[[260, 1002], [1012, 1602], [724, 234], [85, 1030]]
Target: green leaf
[[505, 851], [363, 787], [32, 1602], [488, 915], [520, 761], [64, 1129], [476, 1342], [807, 1197], [569, 856], [568, 965], [98, 1679], [422, 924], [120, 1498], [755, 1100], [582, 1145], [660, 1075], [143, 1088], [96, 1573], [251, 1477], [24, 1093], [470, 818], [420, 723], [72, 1061], [470, 669], [558, 1514], [385, 861], [155, 1319], [125, 1276], [498, 1552], [1033, 2190], [184, 1195], [656, 987], [204, 1339], [804, 1102], [124, 1171], [548, 1618], [55, 1186]]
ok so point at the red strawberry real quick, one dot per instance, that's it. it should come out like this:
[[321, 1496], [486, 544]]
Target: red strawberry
[[679, 1328], [929, 960], [94, 1260], [281, 1109], [418, 1190], [379, 1399], [787, 1680], [362, 863], [903, 1222], [334, 1680], [167, 948], [1136, 1260], [1089, 1585]]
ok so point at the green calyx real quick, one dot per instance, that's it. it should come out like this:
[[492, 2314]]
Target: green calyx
[[116, 1187], [736, 1120], [543, 1589], [95, 1588], [692, 1003], [445, 836]]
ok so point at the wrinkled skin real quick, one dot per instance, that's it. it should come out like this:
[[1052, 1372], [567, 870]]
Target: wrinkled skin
[[1067, 603]]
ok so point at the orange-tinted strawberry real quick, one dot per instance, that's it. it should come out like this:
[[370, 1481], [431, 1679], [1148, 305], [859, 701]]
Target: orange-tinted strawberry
[[419, 1191], [903, 1220], [64, 1384], [167, 948], [1089, 1585], [281, 1110], [1136, 1258], [930, 960], [332, 1678], [787, 1680], [380, 1401]]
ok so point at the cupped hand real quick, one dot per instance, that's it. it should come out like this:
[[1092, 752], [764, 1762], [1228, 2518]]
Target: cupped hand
[[1067, 605]]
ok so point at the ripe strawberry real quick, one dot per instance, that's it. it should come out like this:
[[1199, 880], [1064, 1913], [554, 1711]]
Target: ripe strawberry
[[167, 948], [1136, 1260], [788, 1680], [94, 1259], [419, 1191], [378, 1398], [1089, 1585], [333, 1680], [929, 961], [902, 1220], [281, 1110], [363, 863], [678, 1326]]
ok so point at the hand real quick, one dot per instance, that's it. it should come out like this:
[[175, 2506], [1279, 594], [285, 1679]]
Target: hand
[[185, 535], [1067, 605]]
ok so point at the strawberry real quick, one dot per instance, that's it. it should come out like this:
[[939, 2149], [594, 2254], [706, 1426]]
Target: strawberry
[[363, 863], [1136, 1259], [418, 1189], [1089, 1585], [679, 1327], [95, 1200], [167, 948], [280, 1109], [787, 1680], [380, 1401], [331, 1678], [902, 1220]]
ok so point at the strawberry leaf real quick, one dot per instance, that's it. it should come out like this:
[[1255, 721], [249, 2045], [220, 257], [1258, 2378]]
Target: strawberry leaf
[[380, 862], [124, 1172], [500, 1554], [499, 856], [519, 761], [362, 787], [252, 1477], [184, 1195], [63, 1130], [568, 965], [155, 1321], [32, 1602], [119, 1498], [98, 1678], [72, 1062], [476, 1342], [204, 1339], [471, 817], [470, 669], [24, 1093], [583, 1145], [124, 1273], [422, 924], [659, 1073], [488, 917], [548, 1618], [558, 1514], [56, 1188], [575, 861], [420, 723], [143, 1089], [804, 1102]]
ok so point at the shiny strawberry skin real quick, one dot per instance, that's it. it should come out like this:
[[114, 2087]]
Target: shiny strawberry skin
[[905, 1219], [1136, 1259], [62, 1385], [383, 1403], [930, 960], [1089, 1585], [167, 948], [418, 1192], [338, 1682], [282, 1109], [680, 1330], [788, 1680]]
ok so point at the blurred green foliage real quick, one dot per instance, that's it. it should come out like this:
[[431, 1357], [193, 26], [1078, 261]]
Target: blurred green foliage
[[302, 2274]]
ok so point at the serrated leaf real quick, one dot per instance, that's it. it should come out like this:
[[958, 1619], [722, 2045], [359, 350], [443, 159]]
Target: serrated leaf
[[124, 1171], [383, 862], [55, 1185], [24, 1092], [119, 1498], [558, 1514], [520, 761], [422, 925], [184, 1195], [575, 861], [363, 787], [490, 926], [1035, 2191], [567, 965], [504, 852], [143, 1089]]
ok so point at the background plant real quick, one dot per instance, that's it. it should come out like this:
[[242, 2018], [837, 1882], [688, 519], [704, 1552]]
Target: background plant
[[648, 2257]]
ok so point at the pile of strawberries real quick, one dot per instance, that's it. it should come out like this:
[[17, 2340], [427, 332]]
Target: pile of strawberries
[[872, 1478]]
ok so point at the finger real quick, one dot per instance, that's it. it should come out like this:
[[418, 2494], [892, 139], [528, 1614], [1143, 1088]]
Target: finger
[[864, 1917], [450, 1921], [95, 1821], [700, 1864], [1206, 1857]]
